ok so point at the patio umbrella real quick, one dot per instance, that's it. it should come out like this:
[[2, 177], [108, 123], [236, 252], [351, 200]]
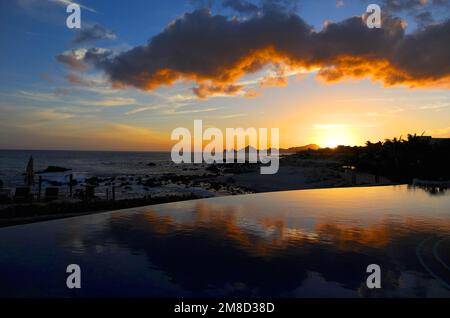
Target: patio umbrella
[[29, 175]]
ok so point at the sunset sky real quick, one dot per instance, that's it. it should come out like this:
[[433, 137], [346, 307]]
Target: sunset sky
[[137, 70]]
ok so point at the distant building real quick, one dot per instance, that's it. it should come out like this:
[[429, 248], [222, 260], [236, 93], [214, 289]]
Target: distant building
[[435, 141]]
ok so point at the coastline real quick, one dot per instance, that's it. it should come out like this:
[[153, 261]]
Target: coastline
[[195, 182]]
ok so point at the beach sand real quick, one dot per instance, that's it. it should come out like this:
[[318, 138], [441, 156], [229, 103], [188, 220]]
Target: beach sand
[[306, 174]]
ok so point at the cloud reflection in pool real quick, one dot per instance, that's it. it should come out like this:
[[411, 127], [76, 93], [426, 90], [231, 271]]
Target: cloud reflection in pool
[[304, 243]]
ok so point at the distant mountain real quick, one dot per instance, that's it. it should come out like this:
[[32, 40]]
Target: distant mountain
[[287, 150], [298, 149]]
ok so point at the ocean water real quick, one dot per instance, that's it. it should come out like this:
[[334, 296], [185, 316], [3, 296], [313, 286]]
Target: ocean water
[[127, 171], [83, 164], [306, 243]]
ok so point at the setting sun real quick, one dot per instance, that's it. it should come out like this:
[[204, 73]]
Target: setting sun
[[332, 136]]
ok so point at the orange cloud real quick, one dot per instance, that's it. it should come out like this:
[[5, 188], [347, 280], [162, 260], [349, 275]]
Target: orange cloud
[[216, 52]]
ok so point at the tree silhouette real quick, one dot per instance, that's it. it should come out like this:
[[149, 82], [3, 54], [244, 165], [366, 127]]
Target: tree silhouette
[[398, 159]]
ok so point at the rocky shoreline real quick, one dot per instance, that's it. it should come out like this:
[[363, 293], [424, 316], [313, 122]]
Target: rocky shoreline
[[188, 182]]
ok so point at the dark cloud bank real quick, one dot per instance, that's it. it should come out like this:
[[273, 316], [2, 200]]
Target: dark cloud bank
[[93, 33], [216, 51]]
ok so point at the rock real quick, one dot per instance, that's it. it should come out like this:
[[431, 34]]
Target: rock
[[54, 169], [213, 168], [151, 164], [150, 183]]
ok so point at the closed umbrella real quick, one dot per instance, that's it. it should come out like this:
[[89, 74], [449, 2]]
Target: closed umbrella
[[29, 176]]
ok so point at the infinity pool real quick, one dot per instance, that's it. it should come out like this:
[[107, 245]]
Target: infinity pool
[[307, 243]]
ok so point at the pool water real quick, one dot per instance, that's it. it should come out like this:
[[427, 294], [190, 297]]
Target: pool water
[[306, 243]]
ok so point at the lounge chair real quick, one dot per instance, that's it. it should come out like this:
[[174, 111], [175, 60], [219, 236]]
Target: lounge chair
[[51, 194], [5, 195], [23, 194]]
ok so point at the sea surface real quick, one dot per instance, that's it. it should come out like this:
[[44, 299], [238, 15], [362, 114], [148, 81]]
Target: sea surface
[[83, 164], [306, 243]]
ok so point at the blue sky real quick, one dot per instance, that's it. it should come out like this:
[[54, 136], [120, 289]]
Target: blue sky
[[42, 109]]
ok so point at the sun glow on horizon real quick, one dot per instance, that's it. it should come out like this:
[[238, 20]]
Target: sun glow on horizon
[[331, 136]]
